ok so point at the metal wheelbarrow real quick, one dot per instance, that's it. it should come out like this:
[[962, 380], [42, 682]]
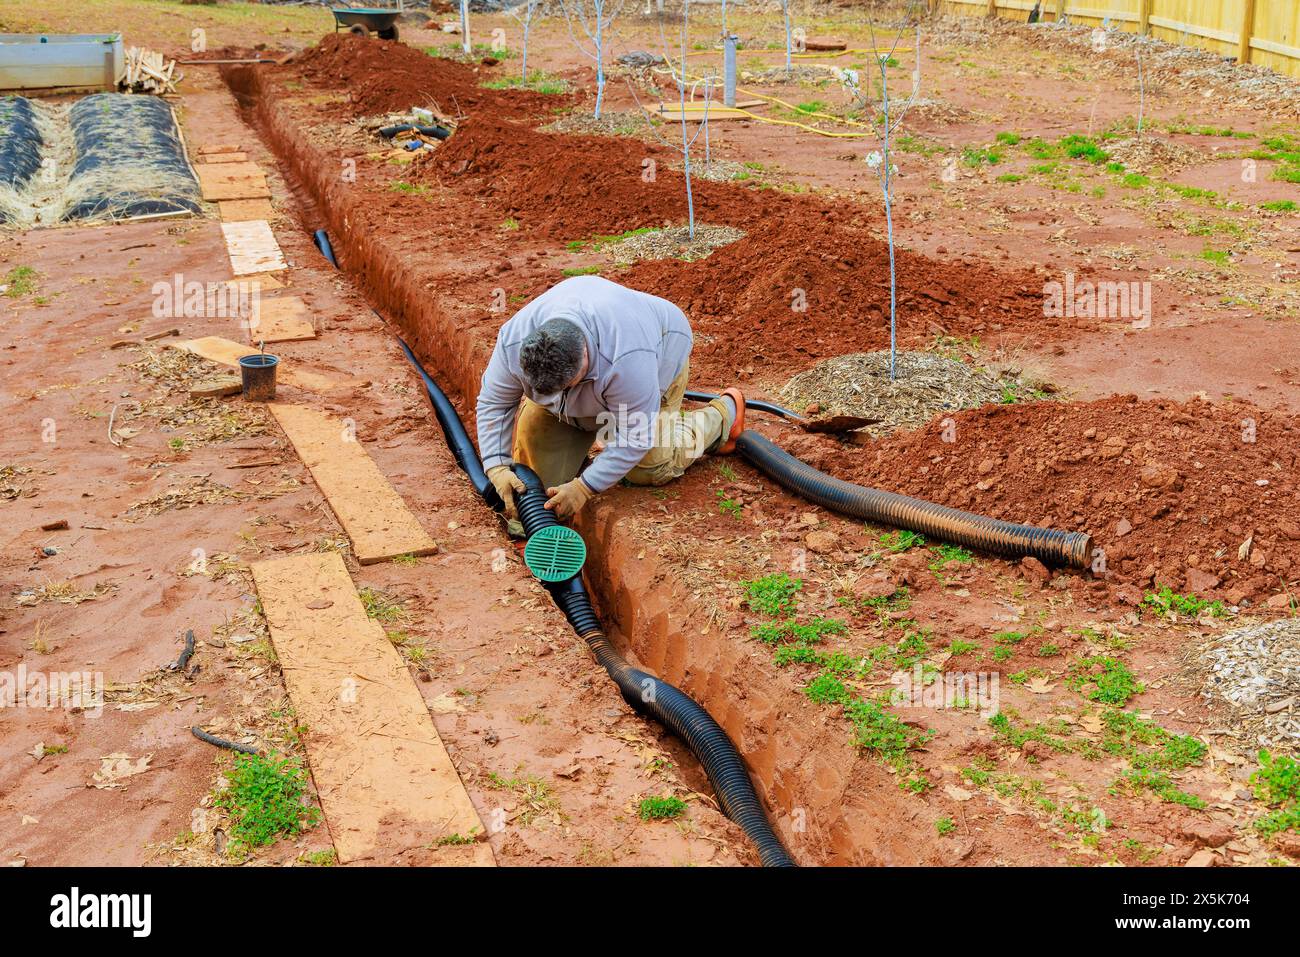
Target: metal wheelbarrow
[[364, 21]]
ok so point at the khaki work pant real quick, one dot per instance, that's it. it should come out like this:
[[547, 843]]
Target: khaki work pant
[[556, 450]]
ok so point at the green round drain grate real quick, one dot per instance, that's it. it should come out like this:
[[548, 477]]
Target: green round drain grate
[[555, 553]]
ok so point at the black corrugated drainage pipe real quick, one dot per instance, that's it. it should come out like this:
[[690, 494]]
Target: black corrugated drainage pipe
[[323, 244], [1051, 547], [670, 706], [457, 438]]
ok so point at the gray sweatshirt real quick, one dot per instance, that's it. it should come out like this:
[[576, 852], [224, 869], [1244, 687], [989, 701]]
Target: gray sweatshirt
[[636, 345]]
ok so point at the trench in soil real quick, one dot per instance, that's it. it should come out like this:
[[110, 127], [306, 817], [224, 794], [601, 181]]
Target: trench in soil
[[828, 804]]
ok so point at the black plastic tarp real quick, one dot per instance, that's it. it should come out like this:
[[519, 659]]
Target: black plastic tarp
[[20, 144], [129, 159]]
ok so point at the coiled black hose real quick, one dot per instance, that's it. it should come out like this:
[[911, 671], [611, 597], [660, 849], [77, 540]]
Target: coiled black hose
[[902, 511], [668, 705], [437, 132]]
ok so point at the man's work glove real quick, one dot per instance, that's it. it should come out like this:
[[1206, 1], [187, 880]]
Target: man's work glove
[[567, 500], [506, 482]]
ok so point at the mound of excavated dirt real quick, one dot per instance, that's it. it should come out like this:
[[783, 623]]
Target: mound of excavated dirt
[[810, 278], [1172, 492], [558, 186], [385, 76], [562, 186], [800, 288]]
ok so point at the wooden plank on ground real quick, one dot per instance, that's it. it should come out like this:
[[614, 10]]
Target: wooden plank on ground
[[228, 353], [240, 210], [284, 319], [252, 248], [232, 181], [219, 148], [385, 780], [244, 188], [225, 158], [369, 509], [698, 116], [712, 105], [261, 282]]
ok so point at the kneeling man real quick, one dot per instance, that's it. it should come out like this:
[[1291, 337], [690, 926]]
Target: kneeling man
[[592, 360]]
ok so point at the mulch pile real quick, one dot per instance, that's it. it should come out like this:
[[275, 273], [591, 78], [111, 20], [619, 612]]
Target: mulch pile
[[385, 76], [1170, 491], [858, 383]]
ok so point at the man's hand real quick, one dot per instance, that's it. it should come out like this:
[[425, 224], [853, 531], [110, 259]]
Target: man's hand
[[506, 482], [567, 500]]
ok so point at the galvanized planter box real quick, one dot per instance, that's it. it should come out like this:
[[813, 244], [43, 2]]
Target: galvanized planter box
[[32, 61]]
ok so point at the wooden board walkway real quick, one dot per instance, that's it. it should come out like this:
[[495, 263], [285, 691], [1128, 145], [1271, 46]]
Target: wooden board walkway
[[284, 319], [232, 181], [252, 248], [385, 780], [228, 353], [371, 512], [241, 210]]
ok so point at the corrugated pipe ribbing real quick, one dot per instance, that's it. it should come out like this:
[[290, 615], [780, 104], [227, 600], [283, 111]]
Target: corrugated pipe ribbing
[[670, 706], [1049, 546]]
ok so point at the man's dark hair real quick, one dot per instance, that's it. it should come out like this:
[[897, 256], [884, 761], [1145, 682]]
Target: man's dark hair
[[551, 355]]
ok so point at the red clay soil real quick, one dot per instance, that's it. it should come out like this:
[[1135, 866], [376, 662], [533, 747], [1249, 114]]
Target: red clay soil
[[563, 187], [1169, 490], [743, 296], [431, 259], [384, 76], [740, 297]]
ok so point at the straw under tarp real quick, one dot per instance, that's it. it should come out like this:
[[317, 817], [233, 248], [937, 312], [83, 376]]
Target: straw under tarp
[[129, 160]]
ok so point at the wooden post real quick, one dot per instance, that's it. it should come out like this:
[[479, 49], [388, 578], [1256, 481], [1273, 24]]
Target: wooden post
[[1144, 21], [992, 11], [1060, 10], [1247, 30]]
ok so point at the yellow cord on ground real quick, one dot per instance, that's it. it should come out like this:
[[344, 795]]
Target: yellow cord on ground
[[820, 116], [802, 126]]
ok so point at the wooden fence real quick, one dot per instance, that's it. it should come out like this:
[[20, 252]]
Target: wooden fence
[[1266, 32]]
